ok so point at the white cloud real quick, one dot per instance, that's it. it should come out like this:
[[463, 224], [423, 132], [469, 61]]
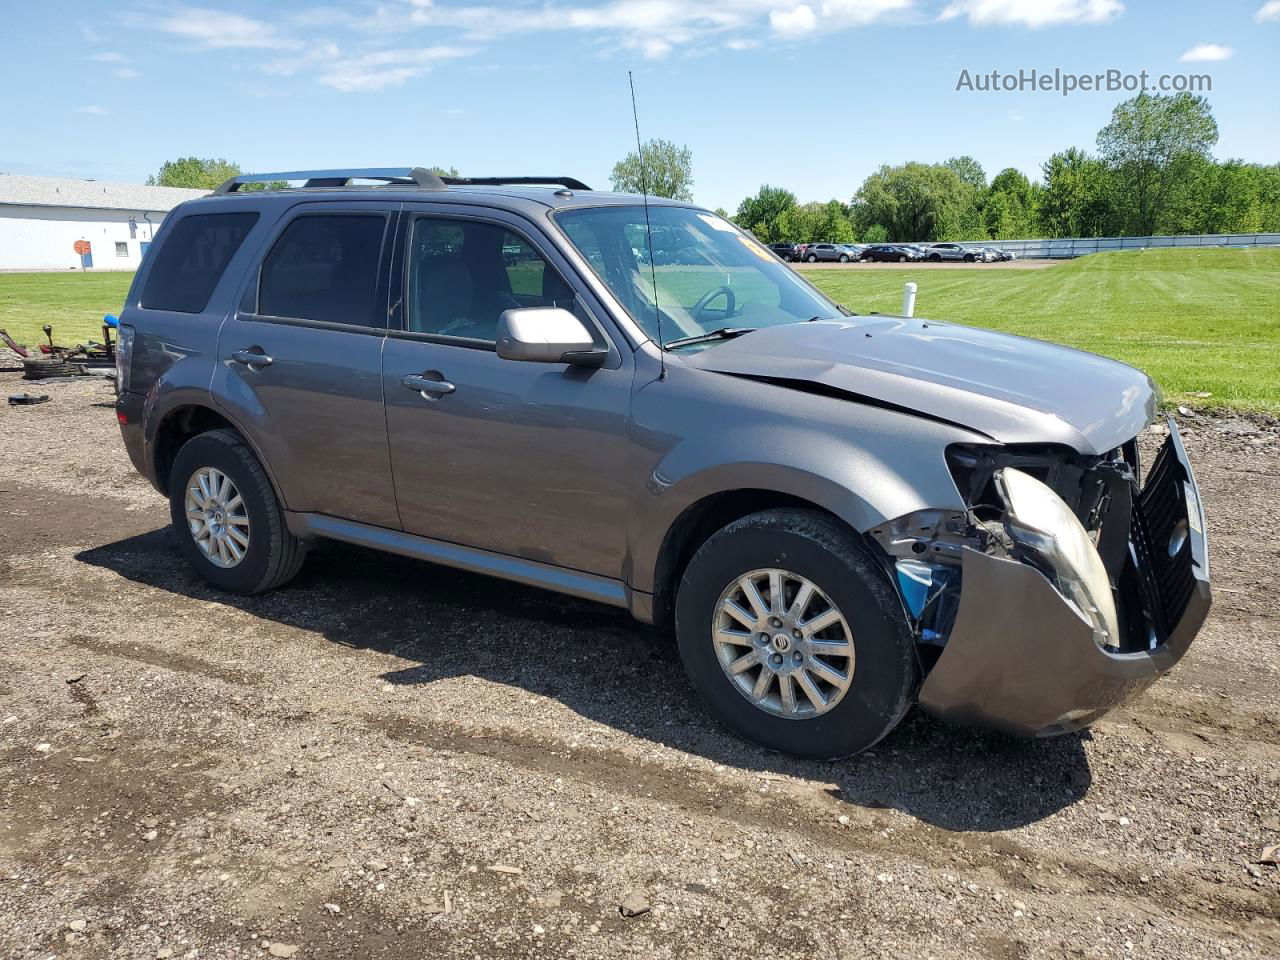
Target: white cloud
[[1032, 13], [216, 29], [126, 73], [96, 111], [738, 43], [794, 22], [653, 27], [1268, 12], [385, 68], [855, 13], [1204, 52]]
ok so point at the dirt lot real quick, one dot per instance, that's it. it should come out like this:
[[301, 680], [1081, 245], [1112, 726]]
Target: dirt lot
[[388, 759]]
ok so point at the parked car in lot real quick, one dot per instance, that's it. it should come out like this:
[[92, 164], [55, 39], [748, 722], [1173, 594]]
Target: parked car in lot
[[836, 515], [829, 252], [786, 251], [888, 253], [953, 251], [854, 250]]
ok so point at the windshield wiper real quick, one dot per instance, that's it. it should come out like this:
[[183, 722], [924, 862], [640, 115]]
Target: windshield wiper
[[724, 333]]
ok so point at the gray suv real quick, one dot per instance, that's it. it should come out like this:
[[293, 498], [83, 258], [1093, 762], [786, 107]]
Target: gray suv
[[837, 515], [830, 252], [938, 252]]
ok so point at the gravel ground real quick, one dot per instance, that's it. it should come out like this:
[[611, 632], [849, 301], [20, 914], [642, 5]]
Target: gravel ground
[[389, 759]]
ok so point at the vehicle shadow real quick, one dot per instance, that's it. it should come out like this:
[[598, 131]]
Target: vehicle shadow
[[606, 667]]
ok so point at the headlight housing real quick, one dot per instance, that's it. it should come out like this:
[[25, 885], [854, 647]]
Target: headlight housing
[[1041, 524]]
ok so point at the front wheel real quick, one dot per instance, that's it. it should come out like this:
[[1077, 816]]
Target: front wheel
[[902, 259], [812, 258], [844, 258], [226, 517], [934, 258], [968, 258], [793, 637]]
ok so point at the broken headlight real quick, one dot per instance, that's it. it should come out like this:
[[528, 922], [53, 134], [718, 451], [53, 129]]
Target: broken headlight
[[1054, 540]]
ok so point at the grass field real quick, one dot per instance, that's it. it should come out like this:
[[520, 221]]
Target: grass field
[[72, 302], [1196, 320]]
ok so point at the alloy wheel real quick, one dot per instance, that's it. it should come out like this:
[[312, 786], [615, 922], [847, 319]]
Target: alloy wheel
[[783, 644], [217, 517]]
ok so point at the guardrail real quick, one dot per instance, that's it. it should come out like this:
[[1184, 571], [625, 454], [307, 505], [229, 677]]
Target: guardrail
[[1064, 248]]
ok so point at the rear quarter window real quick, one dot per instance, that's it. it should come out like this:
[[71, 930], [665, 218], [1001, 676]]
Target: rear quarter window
[[192, 259]]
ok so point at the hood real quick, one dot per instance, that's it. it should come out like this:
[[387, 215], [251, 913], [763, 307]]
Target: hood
[[1009, 388]]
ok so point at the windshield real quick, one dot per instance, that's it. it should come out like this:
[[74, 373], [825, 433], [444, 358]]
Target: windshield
[[708, 273]]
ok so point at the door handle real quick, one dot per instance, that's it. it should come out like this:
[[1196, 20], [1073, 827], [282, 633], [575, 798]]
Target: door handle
[[251, 358], [428, 388]]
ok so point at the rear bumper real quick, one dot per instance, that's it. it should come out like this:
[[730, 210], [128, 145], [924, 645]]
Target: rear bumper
[[1022, 660], [129, 411]]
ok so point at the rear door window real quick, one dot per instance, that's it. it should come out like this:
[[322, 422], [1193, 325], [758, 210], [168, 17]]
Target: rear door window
[[324, 267], [192, 259]]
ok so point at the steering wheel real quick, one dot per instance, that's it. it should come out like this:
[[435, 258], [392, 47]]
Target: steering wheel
[[730, 302]]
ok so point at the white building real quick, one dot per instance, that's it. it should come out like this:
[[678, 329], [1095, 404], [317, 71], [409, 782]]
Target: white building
[[44, 222]]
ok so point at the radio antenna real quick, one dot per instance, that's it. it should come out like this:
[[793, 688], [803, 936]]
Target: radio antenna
[[648, 232]]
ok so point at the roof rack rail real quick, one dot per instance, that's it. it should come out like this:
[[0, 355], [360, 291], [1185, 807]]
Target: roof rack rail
[[415, 176], [571, 182]]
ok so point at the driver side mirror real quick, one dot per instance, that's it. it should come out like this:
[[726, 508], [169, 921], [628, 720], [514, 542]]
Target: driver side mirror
[[547, 335]]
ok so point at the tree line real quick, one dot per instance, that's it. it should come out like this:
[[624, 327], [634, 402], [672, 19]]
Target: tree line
[[1153, 173]]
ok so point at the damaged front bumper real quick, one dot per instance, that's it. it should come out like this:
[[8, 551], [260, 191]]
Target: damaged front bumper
[[1021, 659]]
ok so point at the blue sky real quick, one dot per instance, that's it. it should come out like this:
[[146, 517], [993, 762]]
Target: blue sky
[[811, 95]]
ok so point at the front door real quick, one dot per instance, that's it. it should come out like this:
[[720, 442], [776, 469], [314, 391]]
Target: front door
[[301, 361], [523, 459]]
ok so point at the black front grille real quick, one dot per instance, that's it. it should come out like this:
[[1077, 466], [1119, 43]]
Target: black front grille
[[1160, 515]]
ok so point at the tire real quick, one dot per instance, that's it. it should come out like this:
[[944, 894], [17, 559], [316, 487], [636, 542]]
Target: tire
[[273, 555], [810, 545], [39, 368], [811, 258], [934, 258], [902, 259], [968, 258], [844, 258]]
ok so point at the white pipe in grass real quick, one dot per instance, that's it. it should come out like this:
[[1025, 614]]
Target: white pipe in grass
[[909, 300]]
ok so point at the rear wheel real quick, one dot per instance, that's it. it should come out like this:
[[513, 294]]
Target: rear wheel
[[968, 258], [812, 258], [902, 259], [226, 517], [844, 258], [934, 258], [793, 637]]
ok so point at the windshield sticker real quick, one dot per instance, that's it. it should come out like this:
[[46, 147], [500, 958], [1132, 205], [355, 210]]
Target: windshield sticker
[[758, 250], [715, 223]]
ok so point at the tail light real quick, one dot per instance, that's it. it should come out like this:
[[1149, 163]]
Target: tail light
[[124, 357]]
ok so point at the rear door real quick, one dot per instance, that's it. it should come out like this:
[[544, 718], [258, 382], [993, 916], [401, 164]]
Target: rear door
[[300, 362]]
